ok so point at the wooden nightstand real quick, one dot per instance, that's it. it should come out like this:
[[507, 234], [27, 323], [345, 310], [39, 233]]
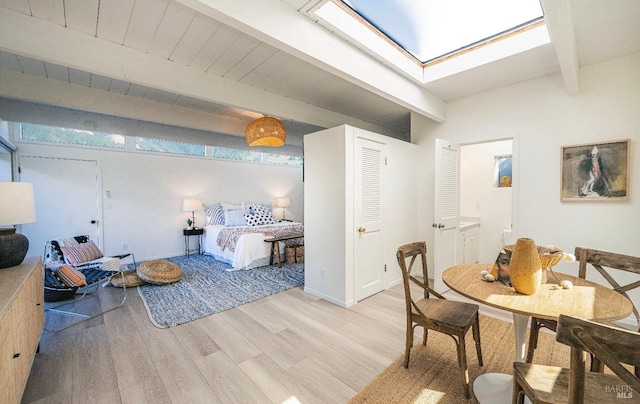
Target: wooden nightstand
[[187, 234]]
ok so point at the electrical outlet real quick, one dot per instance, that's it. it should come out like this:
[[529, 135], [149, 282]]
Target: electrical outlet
[[125, 247]]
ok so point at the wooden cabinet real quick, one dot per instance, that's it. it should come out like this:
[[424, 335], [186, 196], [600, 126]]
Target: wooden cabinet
[[21, 322]]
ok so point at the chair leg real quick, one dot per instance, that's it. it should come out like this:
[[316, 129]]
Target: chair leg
[[518, 393], [462, 362], [408, 344], [533, 340], [424, 338], [476, 337]]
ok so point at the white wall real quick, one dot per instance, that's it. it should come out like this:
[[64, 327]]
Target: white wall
[[147, 192], [542, 117], [479, 197]]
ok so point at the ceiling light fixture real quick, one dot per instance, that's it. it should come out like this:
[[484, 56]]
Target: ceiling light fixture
[[265, 131]]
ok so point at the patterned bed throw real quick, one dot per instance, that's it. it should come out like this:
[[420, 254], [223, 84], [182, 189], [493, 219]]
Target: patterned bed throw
[[228, 237]]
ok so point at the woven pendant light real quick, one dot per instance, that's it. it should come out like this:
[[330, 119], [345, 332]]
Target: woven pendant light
[[265, 131]]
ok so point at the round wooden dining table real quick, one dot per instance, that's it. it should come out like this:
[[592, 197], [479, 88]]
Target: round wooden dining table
[[585, 299]]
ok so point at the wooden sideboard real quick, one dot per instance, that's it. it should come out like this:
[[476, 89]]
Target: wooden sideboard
[[21, 322]]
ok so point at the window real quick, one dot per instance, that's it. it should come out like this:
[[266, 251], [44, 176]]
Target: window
[[502, 172], [54, 134], [167, 146]]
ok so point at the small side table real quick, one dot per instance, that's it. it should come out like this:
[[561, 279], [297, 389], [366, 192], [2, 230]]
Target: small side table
[[187, 234]]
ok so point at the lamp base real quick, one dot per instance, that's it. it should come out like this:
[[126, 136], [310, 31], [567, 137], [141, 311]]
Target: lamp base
[[13, 248]]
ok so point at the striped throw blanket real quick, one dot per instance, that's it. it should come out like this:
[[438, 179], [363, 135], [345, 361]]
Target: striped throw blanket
[[228, 237]]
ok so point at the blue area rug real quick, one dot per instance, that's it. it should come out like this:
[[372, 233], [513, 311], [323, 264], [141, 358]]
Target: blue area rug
[[207, 288]]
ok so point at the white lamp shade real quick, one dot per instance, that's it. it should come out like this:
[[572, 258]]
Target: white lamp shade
[[283, 202], [191, 204], [17, 204]]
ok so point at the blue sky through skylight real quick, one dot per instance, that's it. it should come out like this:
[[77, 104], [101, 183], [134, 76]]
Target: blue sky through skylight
[[429, 29]]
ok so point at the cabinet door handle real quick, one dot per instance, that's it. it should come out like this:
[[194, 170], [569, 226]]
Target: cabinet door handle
[[16, 355]]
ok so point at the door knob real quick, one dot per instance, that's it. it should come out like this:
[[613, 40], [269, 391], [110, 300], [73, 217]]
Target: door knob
[[361, 229], [440, 226], [434, 225]]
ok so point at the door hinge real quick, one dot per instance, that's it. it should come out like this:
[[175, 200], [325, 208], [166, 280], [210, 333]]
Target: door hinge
[[385, 267], [385, 161], [19, 170]]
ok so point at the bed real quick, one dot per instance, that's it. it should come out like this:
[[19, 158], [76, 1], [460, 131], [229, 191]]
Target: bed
[[235, 234]]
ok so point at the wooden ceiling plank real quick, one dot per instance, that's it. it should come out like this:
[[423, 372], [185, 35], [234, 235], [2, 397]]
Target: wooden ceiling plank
[[48, 10], [32, 66], [79, 77], [21, 6], [215, 46], [9, 61], [100, 82], [194, 39], [57, 72], [82, 15], [249, 63], [172, 28], [243, 46], [145, 19], [273, 63], [119, 86], [114, 20]]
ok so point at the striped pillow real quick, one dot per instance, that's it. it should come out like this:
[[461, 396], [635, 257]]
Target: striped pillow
[[214, 214], [81, 253], [70, 276]]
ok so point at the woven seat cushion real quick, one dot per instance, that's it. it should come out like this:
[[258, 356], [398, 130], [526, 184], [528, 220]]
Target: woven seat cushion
[[131, 279], [159, 272]]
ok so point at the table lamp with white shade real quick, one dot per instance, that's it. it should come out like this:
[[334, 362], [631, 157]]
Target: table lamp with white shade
[[191, 205], [283, 203], [17, 206]]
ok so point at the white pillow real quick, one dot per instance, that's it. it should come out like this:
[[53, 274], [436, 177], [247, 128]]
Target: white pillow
[[230, 206], [235, 217]]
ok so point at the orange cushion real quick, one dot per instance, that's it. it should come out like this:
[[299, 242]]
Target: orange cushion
[[70, 276], [81, 253]]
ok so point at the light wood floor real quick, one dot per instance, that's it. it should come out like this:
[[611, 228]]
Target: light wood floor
[[290, 347]]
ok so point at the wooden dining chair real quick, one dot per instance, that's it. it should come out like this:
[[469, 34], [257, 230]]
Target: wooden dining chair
[[604, 262], [615, 347], [437, 314]]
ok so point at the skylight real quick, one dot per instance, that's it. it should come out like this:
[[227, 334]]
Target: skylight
[[430, 29], [427, 40]]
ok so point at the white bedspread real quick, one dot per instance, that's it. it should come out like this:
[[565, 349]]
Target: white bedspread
[[251, 251]]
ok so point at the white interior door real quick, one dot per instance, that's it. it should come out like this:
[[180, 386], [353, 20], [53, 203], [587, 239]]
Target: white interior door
[[369, 219], [447, 209], [67, 199]]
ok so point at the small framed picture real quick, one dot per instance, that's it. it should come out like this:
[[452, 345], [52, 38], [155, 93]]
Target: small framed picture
[[595, 172], [500, 269]]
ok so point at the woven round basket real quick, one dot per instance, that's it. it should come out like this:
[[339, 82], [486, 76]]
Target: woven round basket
[[548, 256], [159, 272], [131, 279]]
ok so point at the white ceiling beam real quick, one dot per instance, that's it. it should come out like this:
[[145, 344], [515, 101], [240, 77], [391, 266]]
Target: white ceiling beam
[[279, 25], [559, 20], [53, 92], [34, 38]]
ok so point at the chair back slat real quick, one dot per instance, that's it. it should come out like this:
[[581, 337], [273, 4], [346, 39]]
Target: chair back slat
[[413, 251], [613, 346], [604, 262]]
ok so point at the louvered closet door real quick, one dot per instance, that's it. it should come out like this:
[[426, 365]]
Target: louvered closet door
[[447, 209], [368, 217]]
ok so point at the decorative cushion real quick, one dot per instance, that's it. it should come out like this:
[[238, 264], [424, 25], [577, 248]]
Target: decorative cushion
[[214, 214], [261, 215], [231, 206], [81, 253], [70, 276], [235, 217], [159, 272]]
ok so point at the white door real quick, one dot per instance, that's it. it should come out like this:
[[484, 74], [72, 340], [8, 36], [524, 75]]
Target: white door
[[67, 199], [447, 209], [368, 217]]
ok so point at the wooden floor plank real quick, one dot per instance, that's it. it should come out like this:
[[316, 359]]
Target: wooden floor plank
[[290, 346]]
